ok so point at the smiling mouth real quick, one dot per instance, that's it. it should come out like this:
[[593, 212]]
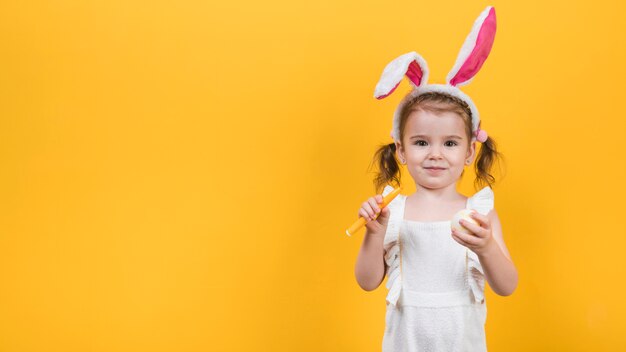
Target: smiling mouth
[[434, 168]]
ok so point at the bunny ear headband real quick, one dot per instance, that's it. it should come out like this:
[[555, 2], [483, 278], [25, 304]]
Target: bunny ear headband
[[469, 61]]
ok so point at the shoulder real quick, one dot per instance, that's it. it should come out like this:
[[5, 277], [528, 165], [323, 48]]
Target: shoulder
[[397, 200], [496, 231], [482, 201], [492, 215], [396, 213]]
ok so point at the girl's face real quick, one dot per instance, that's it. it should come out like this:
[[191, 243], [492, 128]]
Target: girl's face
[[435, 148]]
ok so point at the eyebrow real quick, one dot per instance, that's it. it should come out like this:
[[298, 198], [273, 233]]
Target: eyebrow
[[454, 136]]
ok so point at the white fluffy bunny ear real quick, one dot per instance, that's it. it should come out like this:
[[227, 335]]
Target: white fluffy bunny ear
[[411, 64], [475, 49]]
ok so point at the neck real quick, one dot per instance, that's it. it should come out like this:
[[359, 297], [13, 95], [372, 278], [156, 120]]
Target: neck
[[444, 193]]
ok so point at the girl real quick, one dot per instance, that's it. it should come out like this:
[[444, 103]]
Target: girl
[[435, 273]]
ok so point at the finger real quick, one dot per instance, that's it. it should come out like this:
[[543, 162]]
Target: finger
[[482, 220], [369, 210], [366, 210], [464, 238], [475, 230], [374, 205]]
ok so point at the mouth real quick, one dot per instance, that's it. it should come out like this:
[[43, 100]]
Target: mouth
[[435, 171]]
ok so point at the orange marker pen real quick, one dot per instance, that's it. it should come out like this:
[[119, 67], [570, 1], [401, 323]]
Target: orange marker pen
[[361, 221]]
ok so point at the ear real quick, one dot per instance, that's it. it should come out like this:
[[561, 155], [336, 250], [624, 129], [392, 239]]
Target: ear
[[411, 64], [471, 152], [399, 150], [475, 50]]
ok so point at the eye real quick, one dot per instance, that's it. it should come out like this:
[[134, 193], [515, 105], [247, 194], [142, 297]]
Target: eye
[[421, 143], [451, 143]]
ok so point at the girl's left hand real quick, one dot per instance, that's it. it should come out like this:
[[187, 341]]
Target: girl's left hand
[[477, 237]]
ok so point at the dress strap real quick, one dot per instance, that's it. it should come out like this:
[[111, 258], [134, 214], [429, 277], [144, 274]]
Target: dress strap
[[483, 202], [396, 208], [392, 246]]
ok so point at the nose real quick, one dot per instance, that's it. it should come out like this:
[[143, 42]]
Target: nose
[[434, 152]]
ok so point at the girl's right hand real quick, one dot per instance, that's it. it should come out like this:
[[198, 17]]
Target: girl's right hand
[[376, 219]]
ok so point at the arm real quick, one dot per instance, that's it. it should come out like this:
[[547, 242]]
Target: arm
[[487, 242], [370, 265], [496, 261]]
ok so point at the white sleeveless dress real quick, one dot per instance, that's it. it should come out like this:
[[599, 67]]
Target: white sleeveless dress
[[436, 286]]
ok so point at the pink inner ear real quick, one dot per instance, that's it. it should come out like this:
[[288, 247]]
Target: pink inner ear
[[415, 73], [481, 50]]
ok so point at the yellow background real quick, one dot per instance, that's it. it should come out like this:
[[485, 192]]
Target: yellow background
[[178, 175]]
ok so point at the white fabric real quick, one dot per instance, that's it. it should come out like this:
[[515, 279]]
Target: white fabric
[[436, 286], [395, 71]]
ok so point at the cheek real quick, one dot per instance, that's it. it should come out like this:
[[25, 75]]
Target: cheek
[[459, 158], [415, 154]]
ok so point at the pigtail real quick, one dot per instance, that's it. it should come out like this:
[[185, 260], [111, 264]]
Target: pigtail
[[388, 168], [488, 157]]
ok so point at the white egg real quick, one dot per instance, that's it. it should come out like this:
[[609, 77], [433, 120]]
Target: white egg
[[465, 215]]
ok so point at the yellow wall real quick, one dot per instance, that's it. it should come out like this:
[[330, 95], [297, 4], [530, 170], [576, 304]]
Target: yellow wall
[[178, 175]]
